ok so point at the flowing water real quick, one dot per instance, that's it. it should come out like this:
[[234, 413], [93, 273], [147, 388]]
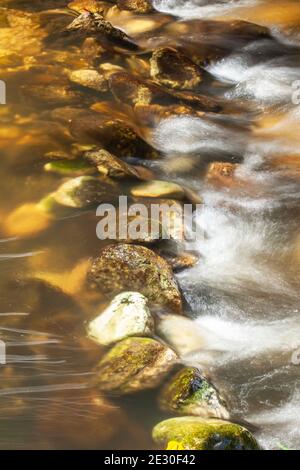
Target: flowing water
[[244, 292]]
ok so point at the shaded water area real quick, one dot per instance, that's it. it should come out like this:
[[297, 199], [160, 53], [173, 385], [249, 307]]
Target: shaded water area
[[242, 295]]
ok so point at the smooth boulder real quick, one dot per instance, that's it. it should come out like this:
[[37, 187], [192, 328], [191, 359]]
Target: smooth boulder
[[132, 267], [134, 364], [193, 433], [127, 315], [173, 69], [190, 393]]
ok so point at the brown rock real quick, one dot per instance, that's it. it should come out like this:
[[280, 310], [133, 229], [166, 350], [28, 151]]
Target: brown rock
[[138, 6], [132, 267], [134, 364], [173, 69], [110, 165]]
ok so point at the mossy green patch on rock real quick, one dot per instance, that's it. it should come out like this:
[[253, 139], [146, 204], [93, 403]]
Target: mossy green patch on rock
[[195, 433], [134, 364], [125, 267], [189, 392], [69, 168]]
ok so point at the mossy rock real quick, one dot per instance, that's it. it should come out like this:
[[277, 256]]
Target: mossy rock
[[114, 135], [138, 6], [189, 392], [110, 165], [89, 78], [69, 168], [84, 191], [134, 364], [193, 433], [125, 267], [173, 69], [131, 90], [94, 25]]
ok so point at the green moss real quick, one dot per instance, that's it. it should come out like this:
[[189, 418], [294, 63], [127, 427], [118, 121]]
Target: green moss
[[134, 364], [197, 434], [69, 167], [190, 392]]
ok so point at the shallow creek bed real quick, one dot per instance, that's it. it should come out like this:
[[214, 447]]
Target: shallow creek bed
[[127, 328]]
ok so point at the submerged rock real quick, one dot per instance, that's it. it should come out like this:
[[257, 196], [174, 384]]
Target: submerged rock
[[89, 78], [110, 165], [84, 191], [190, 393], [90, 24], [138, 6], [134, 364], [135, 91], [82, 6], [27, 220], [131, 90], [69, 168], [127, 315], [158, 188], [52, 95], [114, 135], [133, 267], [182, 261], [195, 433], [175, 70], [221, 172]]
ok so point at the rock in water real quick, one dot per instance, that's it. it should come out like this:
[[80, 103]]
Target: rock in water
[[134, 364], [190, 393], [157, 188], [132, 267], [89, 78], [138, 6], [110, 165], [84, 191], [94, 25], [198, 434], [173, 69], [127, 315]]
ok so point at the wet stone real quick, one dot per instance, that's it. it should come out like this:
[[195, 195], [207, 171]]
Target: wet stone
[[173, 69], [89, 78], [114, 135], [84, 191], [221, 172], [94, 6], [69, 168], [94, 25], [110, 165], [158, 189], [127, 315], [134, 364], [193, 433], [138, 6], [131, 90], [125, 267], [190, 393]]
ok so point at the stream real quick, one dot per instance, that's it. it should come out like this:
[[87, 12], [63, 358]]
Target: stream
[[242, 294]]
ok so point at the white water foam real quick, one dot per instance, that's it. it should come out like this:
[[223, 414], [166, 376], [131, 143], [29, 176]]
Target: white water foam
[[200, 8]]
